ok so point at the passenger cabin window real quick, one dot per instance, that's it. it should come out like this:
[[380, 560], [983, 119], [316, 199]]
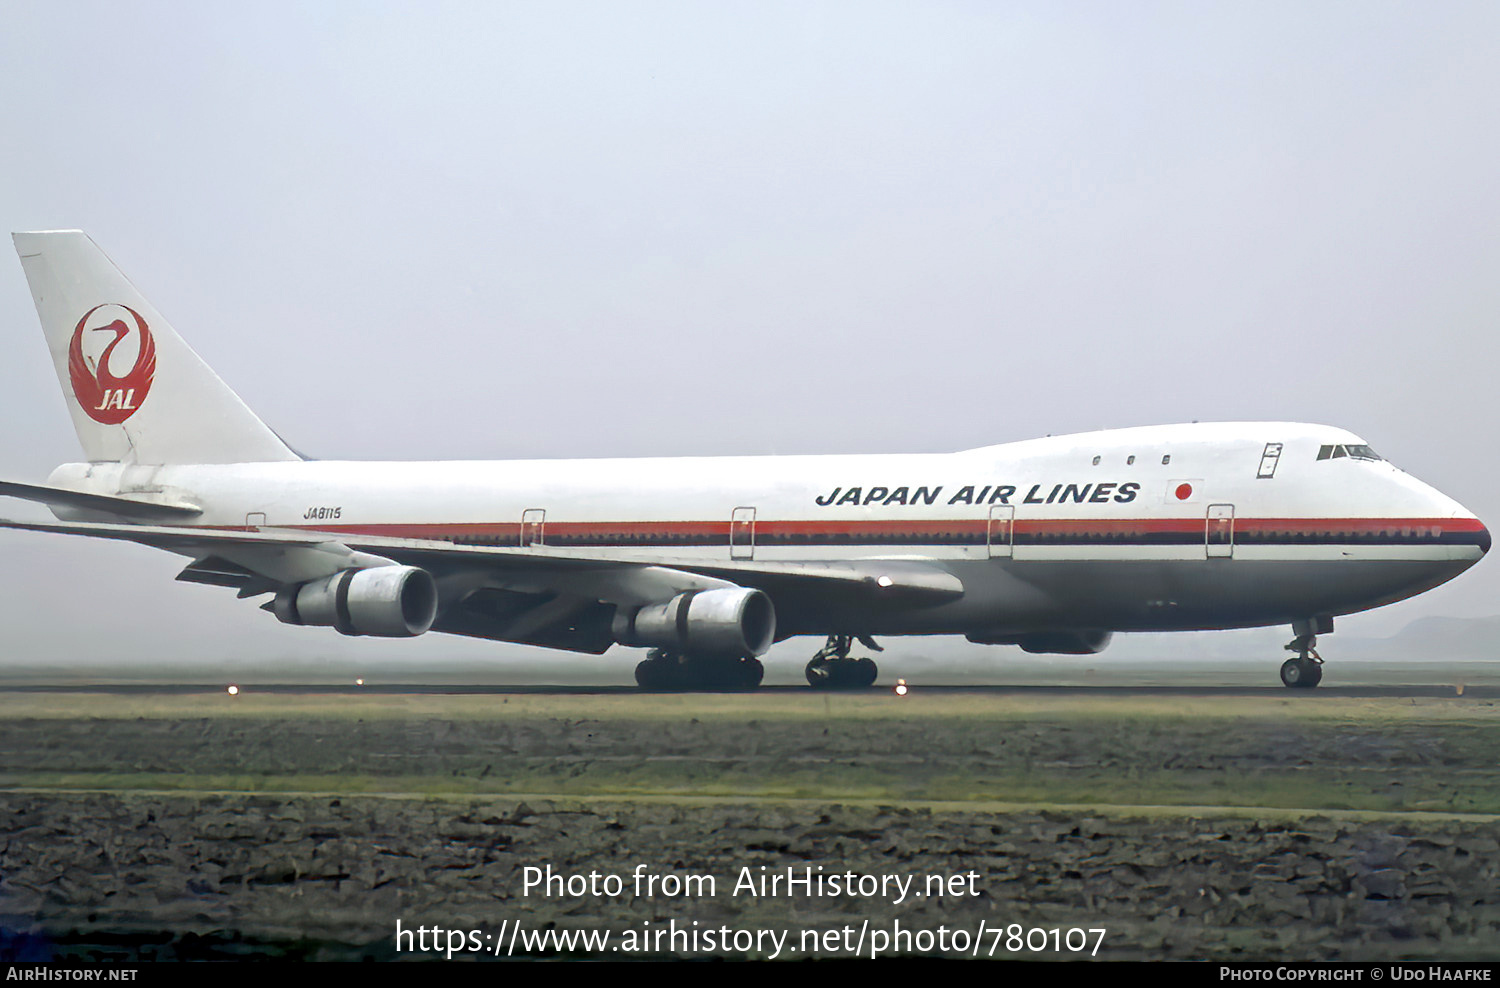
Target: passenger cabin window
[[1096, 461], [1129, 461], [1166, 459]]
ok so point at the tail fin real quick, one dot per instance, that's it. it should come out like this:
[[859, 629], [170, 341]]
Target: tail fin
[[136, 391]]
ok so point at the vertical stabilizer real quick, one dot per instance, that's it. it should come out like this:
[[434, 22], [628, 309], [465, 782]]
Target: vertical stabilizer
[[136, 391]]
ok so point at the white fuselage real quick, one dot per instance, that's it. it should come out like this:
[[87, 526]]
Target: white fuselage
[[1154, 528]]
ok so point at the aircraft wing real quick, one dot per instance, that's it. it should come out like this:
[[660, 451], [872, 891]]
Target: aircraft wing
[[561, 598]]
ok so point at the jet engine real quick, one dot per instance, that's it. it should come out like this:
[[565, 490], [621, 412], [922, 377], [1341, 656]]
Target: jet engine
[[383, 601], [733, 622], [1050, 642]]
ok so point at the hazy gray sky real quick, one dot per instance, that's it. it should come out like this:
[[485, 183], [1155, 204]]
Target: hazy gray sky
[[492, 230]]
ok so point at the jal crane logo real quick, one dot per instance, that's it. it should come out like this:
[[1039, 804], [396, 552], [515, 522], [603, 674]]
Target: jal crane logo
[[110, 400]]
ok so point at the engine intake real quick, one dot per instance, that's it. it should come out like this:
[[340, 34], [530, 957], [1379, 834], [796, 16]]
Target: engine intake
[[1050, 642], [383, 601], [733, 622]]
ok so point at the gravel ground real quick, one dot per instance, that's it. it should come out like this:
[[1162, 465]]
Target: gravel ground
[[171, 876], [131, 871]]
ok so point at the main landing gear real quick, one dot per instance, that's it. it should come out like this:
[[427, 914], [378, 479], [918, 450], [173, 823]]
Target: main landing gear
[[668, 671], [1306, 670], [832, 668]]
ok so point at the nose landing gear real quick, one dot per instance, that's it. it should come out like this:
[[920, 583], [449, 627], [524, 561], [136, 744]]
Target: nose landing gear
[[832, 668], [1306, 670]]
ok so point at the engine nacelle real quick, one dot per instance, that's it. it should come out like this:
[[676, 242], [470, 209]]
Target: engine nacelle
[[384, 601], [733, 622], [1050, 642]]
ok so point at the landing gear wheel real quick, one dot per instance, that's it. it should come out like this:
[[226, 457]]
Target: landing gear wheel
[[666, 671], [1306, 670], [1301, 673], [659, 671], [833, 669], [723, 675], [749, 673]]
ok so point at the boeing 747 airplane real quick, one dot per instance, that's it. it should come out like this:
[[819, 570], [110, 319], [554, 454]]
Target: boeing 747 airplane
[[1049, 544]]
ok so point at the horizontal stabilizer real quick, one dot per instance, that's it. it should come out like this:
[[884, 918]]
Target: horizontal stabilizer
[[128, 506], [280, 558], [172, 537]]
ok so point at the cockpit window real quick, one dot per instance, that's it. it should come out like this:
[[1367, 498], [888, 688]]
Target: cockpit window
[[1332, 452]]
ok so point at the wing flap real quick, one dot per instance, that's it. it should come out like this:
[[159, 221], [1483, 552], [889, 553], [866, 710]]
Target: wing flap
[[216, 571]]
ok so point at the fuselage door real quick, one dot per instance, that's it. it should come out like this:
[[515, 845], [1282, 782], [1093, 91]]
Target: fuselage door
[[532, 522], [255, 520], [1268, 460], [1002, 521], [742, 534], [1219, 531]]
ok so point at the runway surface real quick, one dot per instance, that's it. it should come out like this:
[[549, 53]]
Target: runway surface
[[1394, 691]]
